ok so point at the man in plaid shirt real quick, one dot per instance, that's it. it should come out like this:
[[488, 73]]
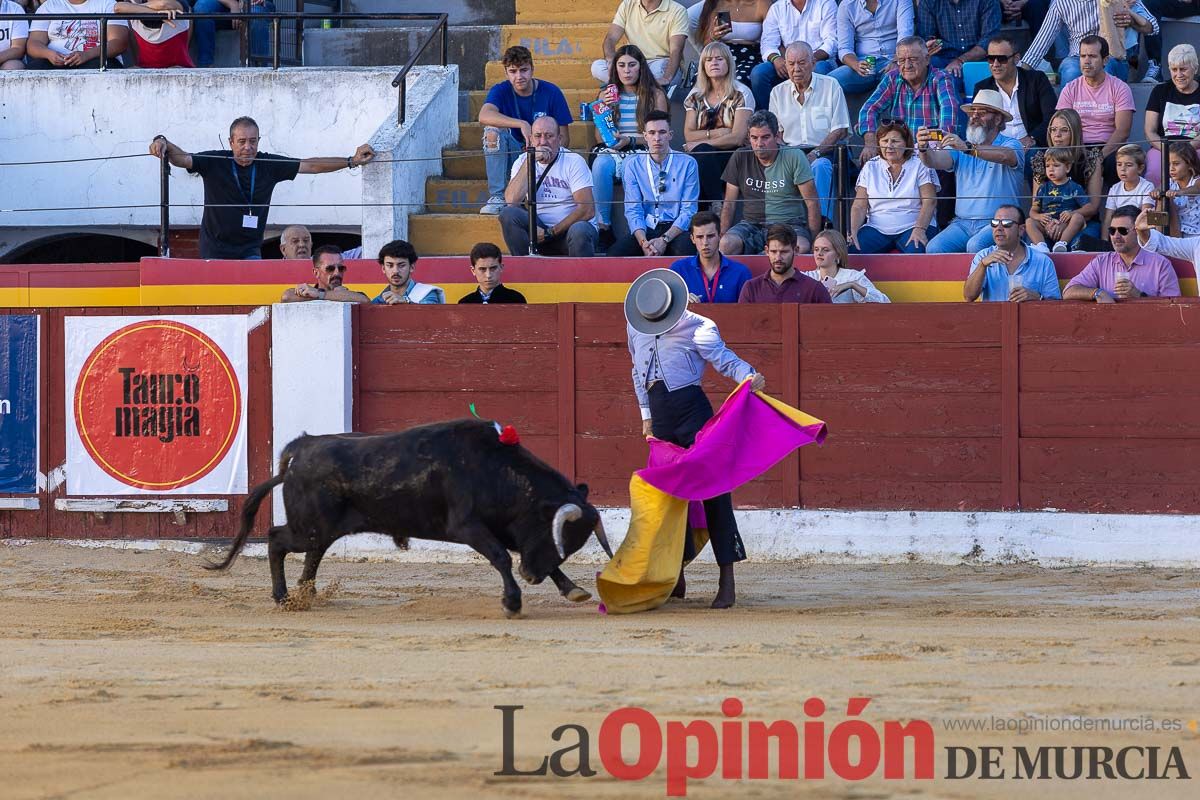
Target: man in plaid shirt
[[914, 93]]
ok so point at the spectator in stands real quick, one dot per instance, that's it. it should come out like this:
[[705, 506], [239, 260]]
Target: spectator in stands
[[160, 43], [709, 275], [716, 114], [487, 265], [1104, 103], [1066, 130], [844, 285], [71, 44], [1126, 273], [1164, 9], [957, 31], [1054, 216], [1173, 111], [867, 32], [782, 283], [507, 115], [895, 198], [775, 186], [238, 184], [1151, 239], [1131, 188], [563, 197], [811, 21], [738, 26], [398, 259], [637, 95], [1008, 270], [661, 189], [206, 29], [296, 242], [1031, 11], [1027, 93], [659, 28], [914, 93], [328, 272], [13, 37], [1080, 19], [989, 167], [812, 114], [1181, 196]]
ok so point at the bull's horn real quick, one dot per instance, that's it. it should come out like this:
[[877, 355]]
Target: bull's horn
[[567, 511], [602, 537]]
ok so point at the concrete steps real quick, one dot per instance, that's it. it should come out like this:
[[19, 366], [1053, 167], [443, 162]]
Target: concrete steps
[[564, 73], [535, 11], [459, 166], [557, 42], [452, 234], [470, 135], [451, 196]]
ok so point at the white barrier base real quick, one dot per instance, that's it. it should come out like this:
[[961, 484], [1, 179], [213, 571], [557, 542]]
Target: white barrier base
[[834, 537]]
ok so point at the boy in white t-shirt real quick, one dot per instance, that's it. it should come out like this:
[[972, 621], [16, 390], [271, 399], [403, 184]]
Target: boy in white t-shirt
[[74, 43], [1131, 189], [13, 35]]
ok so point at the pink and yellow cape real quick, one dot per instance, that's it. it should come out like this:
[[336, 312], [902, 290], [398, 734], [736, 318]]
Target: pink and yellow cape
[[748, 435]]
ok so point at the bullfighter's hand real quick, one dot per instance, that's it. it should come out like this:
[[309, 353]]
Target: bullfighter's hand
[[757, 382], [647, 427]]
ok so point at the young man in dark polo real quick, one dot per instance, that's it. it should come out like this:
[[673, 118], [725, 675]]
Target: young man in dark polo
[[487, 264]]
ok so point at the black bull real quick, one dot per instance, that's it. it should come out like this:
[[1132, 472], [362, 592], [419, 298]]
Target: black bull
[[449, 482]]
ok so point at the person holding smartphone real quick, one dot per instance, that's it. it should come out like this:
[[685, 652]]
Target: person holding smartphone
[[737, 25]]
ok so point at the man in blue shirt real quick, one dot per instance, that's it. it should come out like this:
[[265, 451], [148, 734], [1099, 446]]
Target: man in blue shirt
[[398, 259], [507, 116], [709, 275], [957, 31], [662, 188], [1009, 270], [989, 169]]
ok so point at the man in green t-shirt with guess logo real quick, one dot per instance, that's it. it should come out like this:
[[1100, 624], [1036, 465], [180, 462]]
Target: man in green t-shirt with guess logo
[[774, 185]]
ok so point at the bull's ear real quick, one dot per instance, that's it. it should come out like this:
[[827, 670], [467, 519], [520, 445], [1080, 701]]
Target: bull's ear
[[583, 489]]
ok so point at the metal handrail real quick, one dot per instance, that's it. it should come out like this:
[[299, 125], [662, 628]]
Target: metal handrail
[[275, 19]]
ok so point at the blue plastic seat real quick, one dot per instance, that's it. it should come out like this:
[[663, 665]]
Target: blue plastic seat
[[973, 73]]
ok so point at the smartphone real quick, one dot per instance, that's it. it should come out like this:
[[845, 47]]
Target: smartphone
[[1158, 219], [724, 18]]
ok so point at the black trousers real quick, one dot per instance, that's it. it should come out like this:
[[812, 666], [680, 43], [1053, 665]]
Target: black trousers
[[681, 245], [677, 417]]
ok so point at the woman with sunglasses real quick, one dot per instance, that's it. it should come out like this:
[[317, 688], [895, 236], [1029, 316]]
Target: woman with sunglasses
[[718, 112], [845, 285], [895, 199], [737, 25], [1066, 130], [637, 95]]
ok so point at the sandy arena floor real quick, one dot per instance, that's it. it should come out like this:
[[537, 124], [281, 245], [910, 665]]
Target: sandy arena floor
[[139, 675]]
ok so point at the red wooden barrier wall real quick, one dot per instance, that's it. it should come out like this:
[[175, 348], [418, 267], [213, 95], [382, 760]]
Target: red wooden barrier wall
[[60, 524], [930, 406]]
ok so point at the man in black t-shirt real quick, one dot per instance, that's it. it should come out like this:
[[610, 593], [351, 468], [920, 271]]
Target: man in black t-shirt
[[486, 266], [238, 184]]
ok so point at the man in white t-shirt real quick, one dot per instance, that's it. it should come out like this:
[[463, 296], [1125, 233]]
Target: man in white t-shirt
[[74, 43], [565, 206], [13, 34]]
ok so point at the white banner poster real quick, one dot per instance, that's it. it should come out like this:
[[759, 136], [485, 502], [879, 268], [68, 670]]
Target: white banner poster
[[156, 405]]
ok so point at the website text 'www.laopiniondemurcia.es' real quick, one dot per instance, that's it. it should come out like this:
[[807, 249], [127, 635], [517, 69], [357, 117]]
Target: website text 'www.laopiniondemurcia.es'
[[632, 744]]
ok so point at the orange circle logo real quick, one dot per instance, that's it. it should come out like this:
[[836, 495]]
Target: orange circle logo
[[157, 405]]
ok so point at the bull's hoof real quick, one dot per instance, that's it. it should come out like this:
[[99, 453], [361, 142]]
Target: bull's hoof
[[577, 595], [511, 614]]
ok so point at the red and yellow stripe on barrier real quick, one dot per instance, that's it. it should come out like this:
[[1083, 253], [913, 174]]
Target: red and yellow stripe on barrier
[[194, 282]]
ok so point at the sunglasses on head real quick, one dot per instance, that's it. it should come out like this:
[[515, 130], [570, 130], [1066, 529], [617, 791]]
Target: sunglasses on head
[[1118, 229], [998, 59], [1003, 223], [332, 268]]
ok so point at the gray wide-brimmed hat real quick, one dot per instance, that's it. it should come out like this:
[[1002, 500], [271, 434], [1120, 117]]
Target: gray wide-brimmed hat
[[656, 301]]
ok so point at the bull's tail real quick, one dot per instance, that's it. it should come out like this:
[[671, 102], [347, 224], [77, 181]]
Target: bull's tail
[[250, 510]]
